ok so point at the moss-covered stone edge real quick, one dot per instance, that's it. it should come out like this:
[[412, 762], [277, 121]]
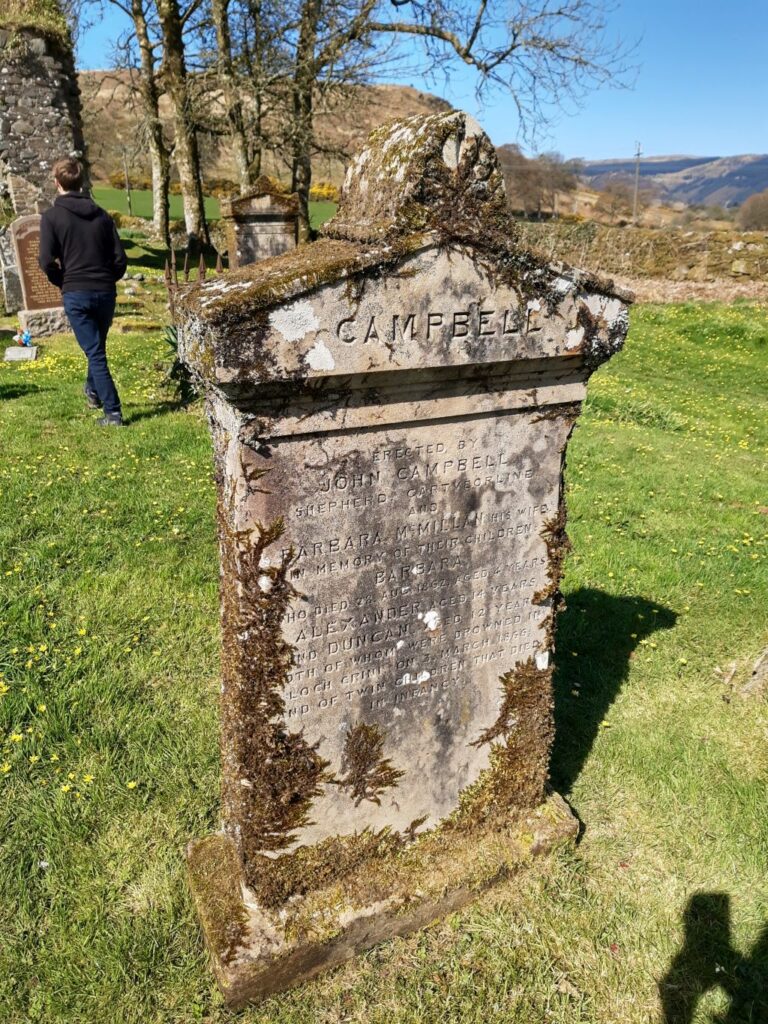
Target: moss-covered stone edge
[[424, 872]]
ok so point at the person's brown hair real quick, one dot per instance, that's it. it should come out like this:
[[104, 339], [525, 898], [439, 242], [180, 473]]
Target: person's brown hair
[[69, 174]]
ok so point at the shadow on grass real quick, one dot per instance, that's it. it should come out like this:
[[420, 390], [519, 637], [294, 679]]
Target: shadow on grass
[[708, 960], [596, 637], [8, 391], [161, 409]]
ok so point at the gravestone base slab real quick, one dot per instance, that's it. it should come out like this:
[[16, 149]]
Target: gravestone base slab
[[257, 952], [20, 353], [42, 322]]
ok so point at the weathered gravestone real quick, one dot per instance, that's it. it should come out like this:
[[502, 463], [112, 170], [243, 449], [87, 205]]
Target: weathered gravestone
[[42, 312], [390, 408], [10, 283], [260, 224]]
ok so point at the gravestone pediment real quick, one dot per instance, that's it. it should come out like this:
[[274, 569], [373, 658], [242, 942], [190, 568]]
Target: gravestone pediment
[[390, 407], [260, 225], [263, 198]]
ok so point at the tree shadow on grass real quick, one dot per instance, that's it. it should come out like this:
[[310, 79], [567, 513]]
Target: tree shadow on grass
[[707, 960], [596, 637], [15, 390]]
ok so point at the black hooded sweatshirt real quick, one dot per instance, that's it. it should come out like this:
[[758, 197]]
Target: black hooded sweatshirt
[[80, 250]]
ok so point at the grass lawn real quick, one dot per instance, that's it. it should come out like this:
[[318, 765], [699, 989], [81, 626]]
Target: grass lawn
[[116, 201], [108, 721]]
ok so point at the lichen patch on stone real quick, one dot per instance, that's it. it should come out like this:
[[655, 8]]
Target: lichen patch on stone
[[294, 321]]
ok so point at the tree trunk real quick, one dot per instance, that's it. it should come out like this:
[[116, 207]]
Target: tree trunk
[[158, 151], [186, 151], [220, 12], [303, 88]]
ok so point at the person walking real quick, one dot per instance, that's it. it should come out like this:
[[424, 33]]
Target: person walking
[[81, 253]]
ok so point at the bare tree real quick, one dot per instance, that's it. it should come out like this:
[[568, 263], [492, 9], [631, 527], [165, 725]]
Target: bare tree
[[753, 213], [538, 53], [172, 20], [522, 178], [144, 79], [149, 91], [557, 175], [230, 88]]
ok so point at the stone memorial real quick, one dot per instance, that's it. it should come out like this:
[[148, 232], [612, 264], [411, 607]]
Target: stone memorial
[[10, 281], [390, 407], [42, 312], [40, 121], [259, 225], [20, 353]]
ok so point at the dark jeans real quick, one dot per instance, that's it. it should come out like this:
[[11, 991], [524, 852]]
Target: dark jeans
[[90, 314]]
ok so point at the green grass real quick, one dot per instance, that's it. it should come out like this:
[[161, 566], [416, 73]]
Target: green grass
[[108, 618], [116, 201]]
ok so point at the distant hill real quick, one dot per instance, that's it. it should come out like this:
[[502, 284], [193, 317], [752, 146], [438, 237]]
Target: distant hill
[[112, 124], [705, 180]]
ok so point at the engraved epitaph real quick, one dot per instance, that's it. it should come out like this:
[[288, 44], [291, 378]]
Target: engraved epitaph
[[260, 224], [37, 290], [390, 408], [42, 312]]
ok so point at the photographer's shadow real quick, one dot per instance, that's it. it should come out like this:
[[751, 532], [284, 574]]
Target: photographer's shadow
[[708, 960], [596, 636]]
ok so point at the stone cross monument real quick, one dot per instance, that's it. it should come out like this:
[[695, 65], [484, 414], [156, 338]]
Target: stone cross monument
[[390, 407]]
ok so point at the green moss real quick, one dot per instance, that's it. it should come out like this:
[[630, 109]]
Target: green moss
[[366, 772], [271, 775], [215, 877], [558, 545], [44, 16], [322, 865]]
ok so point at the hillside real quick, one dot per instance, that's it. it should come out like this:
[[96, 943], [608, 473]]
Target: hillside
[[705, 181], [112, 125]]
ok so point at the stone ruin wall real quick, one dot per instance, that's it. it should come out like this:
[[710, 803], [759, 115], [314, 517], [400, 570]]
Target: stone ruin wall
[[40, 116]]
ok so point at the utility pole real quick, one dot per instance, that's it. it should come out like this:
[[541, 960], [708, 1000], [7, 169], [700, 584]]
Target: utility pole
[[638, 153]]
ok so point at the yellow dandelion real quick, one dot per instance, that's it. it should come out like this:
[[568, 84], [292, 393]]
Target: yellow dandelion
[[5, 767], [65, 788], [131, 784], [16, 737]]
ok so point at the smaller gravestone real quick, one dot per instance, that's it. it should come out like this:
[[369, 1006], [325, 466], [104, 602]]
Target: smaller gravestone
[[9, 274], [20, 353], [42, 312], [260, 224]]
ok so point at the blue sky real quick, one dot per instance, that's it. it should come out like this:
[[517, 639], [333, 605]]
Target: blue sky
[[701, 87]]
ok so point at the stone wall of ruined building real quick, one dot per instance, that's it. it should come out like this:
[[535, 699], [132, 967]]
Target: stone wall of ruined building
[[40, 116]]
